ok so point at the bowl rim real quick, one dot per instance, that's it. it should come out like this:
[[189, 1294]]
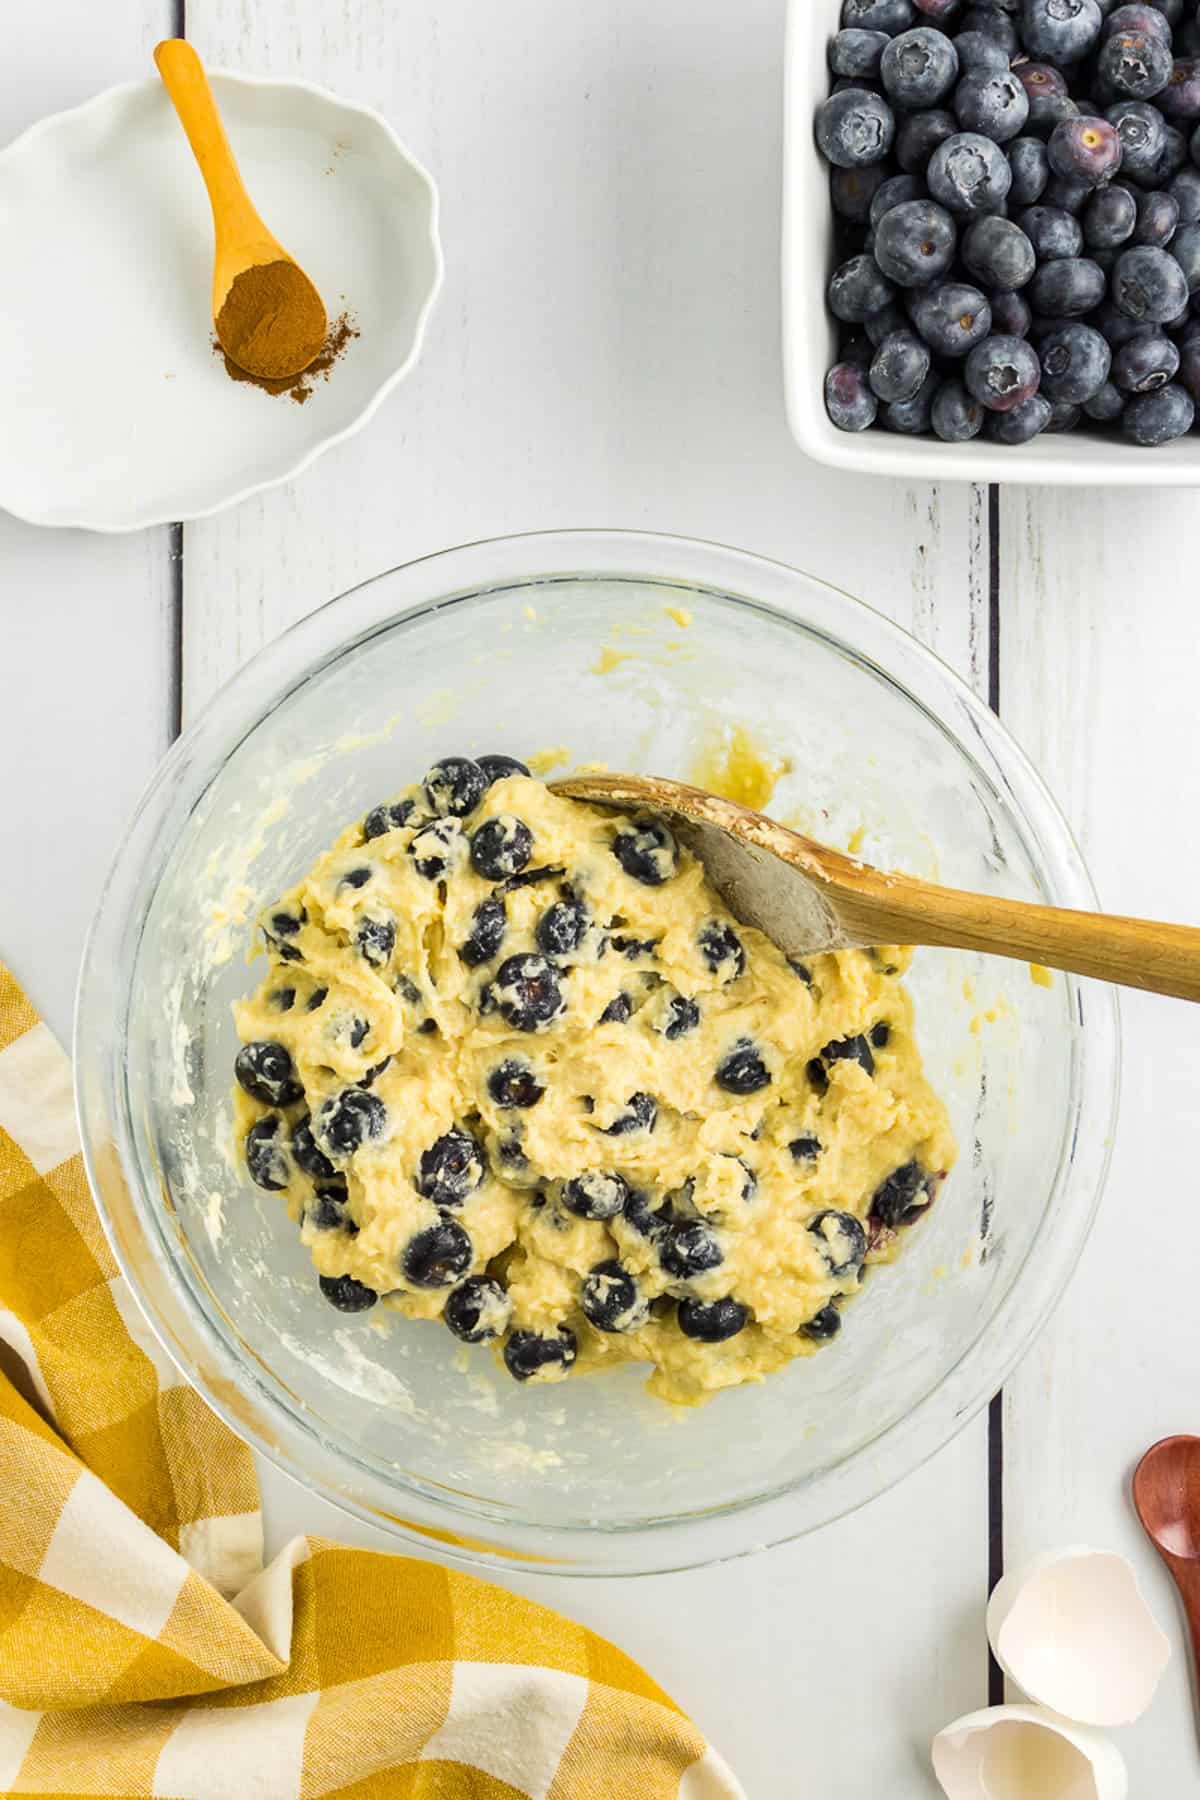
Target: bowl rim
[[116, 97], [806, 260], [655, 1545]]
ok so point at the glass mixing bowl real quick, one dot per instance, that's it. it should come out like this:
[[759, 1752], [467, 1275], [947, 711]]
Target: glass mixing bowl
[[643, 653]]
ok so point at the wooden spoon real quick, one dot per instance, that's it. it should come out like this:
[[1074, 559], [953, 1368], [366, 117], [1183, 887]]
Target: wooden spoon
[[1166, 1494], [808, 898], [290, 322]]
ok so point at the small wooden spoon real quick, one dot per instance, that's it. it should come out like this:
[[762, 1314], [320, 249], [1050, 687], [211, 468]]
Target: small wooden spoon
[[291, 328], [1166, 1494], [808, 898]]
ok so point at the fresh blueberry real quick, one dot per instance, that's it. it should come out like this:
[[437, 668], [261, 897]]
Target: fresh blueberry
[[375, 940], [993, 104], [1040, 80], [902, 1197], [969, 174], [283, 999], [561, 928], [498, 767], [1060, 31], [1189, 360], [1064, 416], [852, 191], [618, 1011], [998, 254], [316, 999], [1143, 138], [455, 786], [528, 1353], [956, 418], [1180, 98], [1136, 17], [1116, 327], [912, 417], [877, 327], [1146, 363], [919, 67], [1002, 373], [1085, 150], [712, 1321], [1021, 425], [478, 1310], [914, 243], [688, 1249], [1048, 110], [722, 949], [1011, 315], [348, 1295], [634, 949], [900, 367], [823, 1325], [382, 819], [595, 1195], [1185, 248], [1149, 285], [1185, 191], [1159, 418], [1067, 288], [437, 1256], [918, 136], [1106, 404], [682, 1017], [611, 1300], [347, 1120], [855, 128], [512, 1083], [805, 1149], [266, 1072], [894, 192], [989, 25], [1030, 168], [266, 1158], [1135, 65], [858, 288], [841, 1241], [451, 1169], [889, 16], [488, 925], [438, 848], [881, 1034], [856, 54], [527, 992], [328, 1211], [501, 847], [1075, 363], [285, 922], [849, 401], [646, 850], [952, 318], [1071, 196], [851, 1049], [1110, 218], [742, 1069], [307, 1154], [938, 9], [641, 1114]]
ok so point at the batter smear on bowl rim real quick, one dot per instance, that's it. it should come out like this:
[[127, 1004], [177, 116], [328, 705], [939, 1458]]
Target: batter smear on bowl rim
[[514, 1066]]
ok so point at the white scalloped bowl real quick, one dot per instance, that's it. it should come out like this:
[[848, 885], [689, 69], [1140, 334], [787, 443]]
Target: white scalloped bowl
[[118, 414]]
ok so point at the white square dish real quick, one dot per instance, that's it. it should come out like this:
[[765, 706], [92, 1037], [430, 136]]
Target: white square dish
[[810, 341]]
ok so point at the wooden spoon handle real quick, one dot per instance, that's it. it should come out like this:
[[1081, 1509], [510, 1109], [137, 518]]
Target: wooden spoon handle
[[895, 909], [1186, 1574], [192, 97]]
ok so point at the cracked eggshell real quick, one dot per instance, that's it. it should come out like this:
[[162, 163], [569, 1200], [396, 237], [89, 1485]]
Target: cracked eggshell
[[1025, 1753], [1073, 1631]]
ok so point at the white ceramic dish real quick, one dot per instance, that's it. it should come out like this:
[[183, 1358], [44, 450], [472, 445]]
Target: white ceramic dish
[[117, 413], [809, 340]]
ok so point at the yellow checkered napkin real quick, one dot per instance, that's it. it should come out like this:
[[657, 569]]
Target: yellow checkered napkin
[[129, 1515]]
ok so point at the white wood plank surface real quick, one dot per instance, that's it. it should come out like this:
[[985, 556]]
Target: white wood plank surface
[[606, 352], [86, 650], [1100, 667]]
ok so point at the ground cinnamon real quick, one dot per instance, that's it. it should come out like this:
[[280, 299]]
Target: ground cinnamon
[[299, 387], [272, 322]]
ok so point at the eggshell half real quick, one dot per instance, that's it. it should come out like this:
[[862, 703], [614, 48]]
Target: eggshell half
[[1073, 1631], [1025, 1753]]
